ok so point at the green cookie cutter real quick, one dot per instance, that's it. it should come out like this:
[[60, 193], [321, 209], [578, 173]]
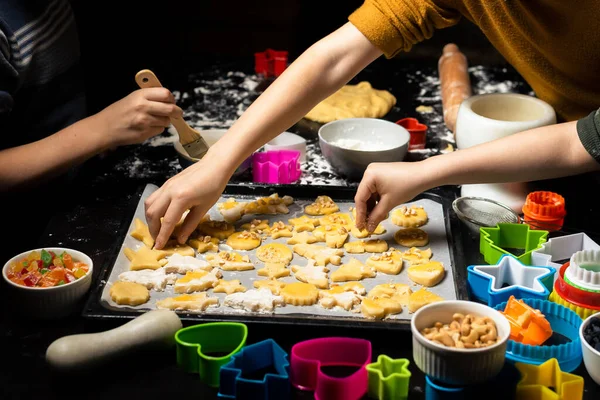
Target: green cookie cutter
[[494, 241], [204, 348], [388, 378]]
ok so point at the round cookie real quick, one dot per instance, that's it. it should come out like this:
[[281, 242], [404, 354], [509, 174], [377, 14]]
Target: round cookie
[[323, 205], [412, 217], [275, 253], [411, 237], [129, 293], [244, 240], [300, 294]]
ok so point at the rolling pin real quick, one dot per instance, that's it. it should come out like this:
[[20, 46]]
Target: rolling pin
[[454, 81]]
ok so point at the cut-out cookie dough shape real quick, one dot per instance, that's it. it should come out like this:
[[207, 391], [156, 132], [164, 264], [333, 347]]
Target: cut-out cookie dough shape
[[129, 293], [334, 236], [188, 302], [410, 217], [274, 270], [353, 101], [300, 294], [197, 281], [257, 225], [415, 256], [270, 205], [244, 240], [302, 238], [364, 233], [421, 298], [145, 258], [273, 285], [229, 287], [346, 296], [354, 270], [275, 253], [156, 279], [337, 219], [217, 229], [389, 262], [320, 254], [142, 233], [230, 261], [231, 210], [304, 224], [411, 237], [254, 300], [314, 274], [399, 292], [385, 299], [172, 247], [323, 205], [279, 230], [205, 244], [429, 274], [369, 246], [181, 264]]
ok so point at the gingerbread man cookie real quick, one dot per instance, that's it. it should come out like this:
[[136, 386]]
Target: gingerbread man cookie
[[142, 233], [197, 281], [389, 262], [412, 217], [370, 246], [304, 223], [323, 205], [275, 253], [204, 244], [345, 296], [411, 237], [429, 274], [254, 300], [274, 270], [145, 258], [244, 240], [129, 293], [302, 238], [156, 279], [354, 270], [188, 302], [229, 287], [230, 261], [300, 294], [415, 256], [279, 230], [273, 285], [320, 254], [316, 275], [217, 229]]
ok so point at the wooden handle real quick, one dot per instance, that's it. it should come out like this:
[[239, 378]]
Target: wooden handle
[[454, 81], [147, 79]]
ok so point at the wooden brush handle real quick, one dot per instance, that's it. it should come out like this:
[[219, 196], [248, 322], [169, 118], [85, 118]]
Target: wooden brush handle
[[454, 81], [146, 79]]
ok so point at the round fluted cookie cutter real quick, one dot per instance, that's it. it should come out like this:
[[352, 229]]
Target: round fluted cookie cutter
[[544, 210], [196, 343], [308, 358], [584, 270], [572, 294], [583, 312], [563, 321]]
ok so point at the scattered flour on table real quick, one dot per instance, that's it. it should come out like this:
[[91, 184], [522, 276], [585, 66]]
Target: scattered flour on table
[[353, 144]]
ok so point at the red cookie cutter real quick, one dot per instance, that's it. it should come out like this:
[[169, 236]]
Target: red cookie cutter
[[310, 356], [581, 298], [417, 130], [270, 63]]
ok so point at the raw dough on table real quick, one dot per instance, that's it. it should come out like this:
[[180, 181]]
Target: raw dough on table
[[353, 101], [129, 293]]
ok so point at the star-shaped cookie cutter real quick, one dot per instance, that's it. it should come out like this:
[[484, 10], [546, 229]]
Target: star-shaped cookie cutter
[[388, 378], [557, 250], [494, 284], [495, 241], [235, 383], [547, 382]]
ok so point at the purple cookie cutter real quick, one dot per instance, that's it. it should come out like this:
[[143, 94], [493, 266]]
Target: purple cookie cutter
[[310, 356], [281, 166]]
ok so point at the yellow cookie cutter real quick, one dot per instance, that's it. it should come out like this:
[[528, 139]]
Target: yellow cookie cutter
[[547, 382]]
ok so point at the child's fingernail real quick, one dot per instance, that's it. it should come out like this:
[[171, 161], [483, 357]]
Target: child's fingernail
[[182, 239]]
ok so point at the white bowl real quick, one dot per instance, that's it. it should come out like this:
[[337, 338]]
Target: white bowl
[[51, 302], [288, 141], [591, 357], [457, 366], [351, 144]]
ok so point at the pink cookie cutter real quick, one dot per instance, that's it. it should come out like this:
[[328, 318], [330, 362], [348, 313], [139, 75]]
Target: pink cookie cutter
[[281, 166], [309, 357]]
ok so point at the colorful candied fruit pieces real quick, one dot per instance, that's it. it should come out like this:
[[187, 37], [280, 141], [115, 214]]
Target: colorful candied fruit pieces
[[527, 325], [46, 269]]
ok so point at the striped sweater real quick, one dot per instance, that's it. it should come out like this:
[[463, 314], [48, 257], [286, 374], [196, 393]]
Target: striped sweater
[[41, 87]]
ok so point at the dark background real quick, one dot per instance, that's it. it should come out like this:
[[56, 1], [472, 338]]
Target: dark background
[[174, 38]]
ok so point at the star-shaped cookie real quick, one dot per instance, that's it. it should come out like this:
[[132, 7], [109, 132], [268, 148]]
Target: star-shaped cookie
[[229, 287], [317, 275], [145, 258], [354, 270], [273, 270], [142, 233]]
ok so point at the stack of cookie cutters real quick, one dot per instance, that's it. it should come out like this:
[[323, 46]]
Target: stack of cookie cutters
[[206, 347], [417, 131], [584, 271], [388, 378], [238, 383], [495, 241], [548, 382], [544, 210], [280, 166], [309, 357], [582, 302], [494, 284], [563, 322], [270, 63]]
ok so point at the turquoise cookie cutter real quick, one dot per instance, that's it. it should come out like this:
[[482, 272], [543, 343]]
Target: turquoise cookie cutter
[[388, 378], [495, 240]]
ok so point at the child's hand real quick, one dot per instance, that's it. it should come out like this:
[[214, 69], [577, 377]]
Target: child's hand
[[384, 186], [141, 115]]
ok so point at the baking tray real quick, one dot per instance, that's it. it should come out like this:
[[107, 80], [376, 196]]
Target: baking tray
[[445, 242]]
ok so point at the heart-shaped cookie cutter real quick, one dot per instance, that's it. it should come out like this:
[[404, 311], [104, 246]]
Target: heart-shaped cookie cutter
[[493, 284], [494, 241], [388, 378], [235, 383], [582, 302], [280, 166], [310, 356], [417, 131], [196, 343], [557, 250]]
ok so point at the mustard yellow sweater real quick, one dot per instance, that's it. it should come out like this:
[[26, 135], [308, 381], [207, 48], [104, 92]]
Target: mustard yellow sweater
[[554, 44]]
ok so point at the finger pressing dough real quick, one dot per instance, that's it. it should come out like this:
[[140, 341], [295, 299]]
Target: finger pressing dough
[[273, 285], [369, 246], [244, 240], [320, 254], [129, 293], [346, 296], [204, 244], [353, 101], [323, 205], [279, 230], [218, 229], [415, 256], [411, 237], [197, 281], [429, 274], [302, 238], [156, 279], [231, 210], [300, 294], [364, 233], [275, 253], [409, 217], [421, 298], [304, 223], [354, 270], [229, 287], [255, 300], [230, 261], [316, 275], [188, 302], [389, 262], [142, 233], [173, 247], [274, 270], [145, 258], [182, 264]]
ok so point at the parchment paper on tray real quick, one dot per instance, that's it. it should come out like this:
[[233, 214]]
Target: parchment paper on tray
[[435, 228]]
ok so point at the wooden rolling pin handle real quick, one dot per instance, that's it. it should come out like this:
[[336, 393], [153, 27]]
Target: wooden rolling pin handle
[[454, 81]]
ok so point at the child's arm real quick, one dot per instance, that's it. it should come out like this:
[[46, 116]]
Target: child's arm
[[135, 118], [318, 72], [542, 153]]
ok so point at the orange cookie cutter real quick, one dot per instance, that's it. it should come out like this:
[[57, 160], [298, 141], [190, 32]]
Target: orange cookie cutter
[[527, 325]]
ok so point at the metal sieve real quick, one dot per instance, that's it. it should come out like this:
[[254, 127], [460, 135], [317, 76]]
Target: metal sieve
[[476, 212]]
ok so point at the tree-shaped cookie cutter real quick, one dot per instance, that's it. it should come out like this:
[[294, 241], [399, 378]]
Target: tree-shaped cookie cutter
[[495, 241], [388, 378], [557, 250]]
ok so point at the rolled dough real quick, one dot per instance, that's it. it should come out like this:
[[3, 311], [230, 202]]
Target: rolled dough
[[353, 101]]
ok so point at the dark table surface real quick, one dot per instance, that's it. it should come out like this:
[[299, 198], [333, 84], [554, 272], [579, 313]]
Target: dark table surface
[[108, 187]]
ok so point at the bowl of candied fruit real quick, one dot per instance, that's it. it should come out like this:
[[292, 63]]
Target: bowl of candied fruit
[[47, 283]]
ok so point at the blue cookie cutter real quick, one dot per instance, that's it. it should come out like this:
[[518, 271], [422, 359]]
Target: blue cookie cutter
[[493, 284], [563, 321], [237, 382]]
